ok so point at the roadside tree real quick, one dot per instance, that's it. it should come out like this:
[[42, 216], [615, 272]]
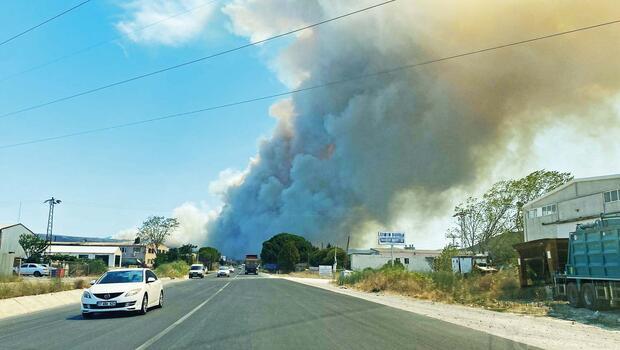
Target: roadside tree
[[288, 257], [208, 256], [33, 246], [156, 229]]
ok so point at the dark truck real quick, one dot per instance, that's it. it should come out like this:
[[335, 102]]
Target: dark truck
[[251, 264], [592, 272]]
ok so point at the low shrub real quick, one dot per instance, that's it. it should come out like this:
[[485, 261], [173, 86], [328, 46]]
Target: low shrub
[[499, 291], [173, 269]]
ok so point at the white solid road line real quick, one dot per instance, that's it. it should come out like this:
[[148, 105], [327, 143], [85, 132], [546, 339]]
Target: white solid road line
[[179, 321]]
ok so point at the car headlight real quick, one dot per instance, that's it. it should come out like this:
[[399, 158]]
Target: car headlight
[[86, 295], [132, 292]]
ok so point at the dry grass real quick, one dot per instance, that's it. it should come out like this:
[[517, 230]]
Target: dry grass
[[308, 274], [498, 292], [22, 287]]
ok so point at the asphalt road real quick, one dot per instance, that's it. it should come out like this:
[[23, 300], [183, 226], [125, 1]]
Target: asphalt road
[[245, 312]]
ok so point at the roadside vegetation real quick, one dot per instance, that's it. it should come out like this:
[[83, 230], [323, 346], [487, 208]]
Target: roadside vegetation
[[175, 269], [18, 287], [499, 291]]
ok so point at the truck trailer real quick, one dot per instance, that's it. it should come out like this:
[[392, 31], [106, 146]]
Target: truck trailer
[[251, 264], [592, 272]]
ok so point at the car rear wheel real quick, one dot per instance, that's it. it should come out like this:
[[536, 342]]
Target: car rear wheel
[[573, 295], [145, 304], [37, 274]]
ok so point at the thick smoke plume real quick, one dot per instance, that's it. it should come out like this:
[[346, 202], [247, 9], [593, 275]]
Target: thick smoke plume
[[346, 158]]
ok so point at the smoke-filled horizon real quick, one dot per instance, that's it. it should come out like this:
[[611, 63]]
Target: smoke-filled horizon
[[357, 157]]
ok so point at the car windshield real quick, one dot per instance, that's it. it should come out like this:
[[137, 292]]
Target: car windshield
[[223, 267], [196, 267], [132, 276]]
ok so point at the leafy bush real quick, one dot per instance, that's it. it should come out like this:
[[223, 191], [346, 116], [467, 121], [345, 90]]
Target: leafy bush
[[175, 269]]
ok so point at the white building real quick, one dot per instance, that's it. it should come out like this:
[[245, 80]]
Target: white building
[[413, 259], [556, 213], [9, 246], [111, 255]]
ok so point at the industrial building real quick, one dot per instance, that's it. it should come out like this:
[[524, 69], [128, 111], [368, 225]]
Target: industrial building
[[110, 255], [10, 250], [555, 214], [549, 220], [132, 253], [412, 259]]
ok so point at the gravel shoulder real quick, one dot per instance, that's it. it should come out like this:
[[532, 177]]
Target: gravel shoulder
[[544, 332]]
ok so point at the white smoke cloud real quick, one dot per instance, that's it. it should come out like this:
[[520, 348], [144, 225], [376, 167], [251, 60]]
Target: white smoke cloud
[[390, 151], [168, 31]]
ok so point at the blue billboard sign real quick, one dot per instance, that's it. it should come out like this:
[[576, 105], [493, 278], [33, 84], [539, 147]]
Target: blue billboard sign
[[390, 238]]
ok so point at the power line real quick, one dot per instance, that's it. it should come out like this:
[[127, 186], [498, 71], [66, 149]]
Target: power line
[[254, 43], [308, 88], [104, 42], [42, 23]]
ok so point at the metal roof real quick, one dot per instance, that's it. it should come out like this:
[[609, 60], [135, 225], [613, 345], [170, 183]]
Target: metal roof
[[3, 226], [80, 249], [571, 182]]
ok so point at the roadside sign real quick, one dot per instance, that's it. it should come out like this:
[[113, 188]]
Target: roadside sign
[[325, 270], [391, 238]]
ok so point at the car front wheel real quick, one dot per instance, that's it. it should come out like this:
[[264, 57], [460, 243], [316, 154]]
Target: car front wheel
[[86, 315], [161, 299], [145, 303]]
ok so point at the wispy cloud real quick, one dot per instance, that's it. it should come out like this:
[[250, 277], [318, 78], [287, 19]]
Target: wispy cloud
[[166, 22]]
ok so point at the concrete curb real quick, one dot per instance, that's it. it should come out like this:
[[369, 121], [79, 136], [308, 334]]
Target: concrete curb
[[34, 303]]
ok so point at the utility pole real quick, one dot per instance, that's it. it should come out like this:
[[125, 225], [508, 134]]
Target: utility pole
[[50, 222], [461, 215]]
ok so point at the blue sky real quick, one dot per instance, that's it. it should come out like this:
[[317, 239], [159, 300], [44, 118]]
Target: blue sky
[[112, 180]]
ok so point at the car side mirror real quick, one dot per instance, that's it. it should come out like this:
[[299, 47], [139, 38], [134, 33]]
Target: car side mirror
[[93, 282], [150, 280]]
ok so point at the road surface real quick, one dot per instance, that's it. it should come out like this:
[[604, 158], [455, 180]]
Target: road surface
[[245, 312]]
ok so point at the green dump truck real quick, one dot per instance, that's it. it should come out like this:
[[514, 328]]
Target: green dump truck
[[592, 272]]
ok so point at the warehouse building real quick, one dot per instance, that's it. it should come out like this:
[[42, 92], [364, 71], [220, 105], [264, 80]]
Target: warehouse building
[[110, 255], [549, 220], [555, 214], [413, 259], [10, 250]]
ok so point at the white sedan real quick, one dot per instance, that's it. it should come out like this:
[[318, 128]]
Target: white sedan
[[123, 290], [223, 271]]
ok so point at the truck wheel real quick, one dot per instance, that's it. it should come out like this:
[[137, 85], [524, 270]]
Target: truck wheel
[[573, 295], [589, 298]]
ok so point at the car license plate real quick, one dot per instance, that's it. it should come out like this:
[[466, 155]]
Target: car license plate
[[106, 303]]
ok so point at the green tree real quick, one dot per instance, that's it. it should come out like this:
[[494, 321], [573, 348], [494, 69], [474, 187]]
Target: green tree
[[326, 257], [156, 229], [208, 255], [186, 253], [500, 208], [444, 261], [33, 245], [288, 257], [272, 247]]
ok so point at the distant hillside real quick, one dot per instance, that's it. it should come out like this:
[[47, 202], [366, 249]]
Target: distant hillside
[[63, 238]]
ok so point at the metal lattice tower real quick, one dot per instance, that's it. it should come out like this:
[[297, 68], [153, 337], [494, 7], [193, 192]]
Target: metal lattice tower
[[50, 218]]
